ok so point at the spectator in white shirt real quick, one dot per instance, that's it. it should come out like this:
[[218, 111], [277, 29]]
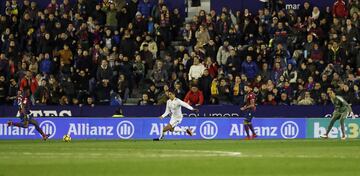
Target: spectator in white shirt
[[196, 70]]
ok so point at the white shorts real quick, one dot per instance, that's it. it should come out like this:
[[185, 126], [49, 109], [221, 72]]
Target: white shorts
[[175, 122]]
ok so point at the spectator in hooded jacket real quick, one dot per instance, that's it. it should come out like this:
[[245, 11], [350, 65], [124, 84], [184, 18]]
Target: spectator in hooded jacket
[[339, 9]]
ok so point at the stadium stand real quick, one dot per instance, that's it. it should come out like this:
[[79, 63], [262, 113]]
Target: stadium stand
[[113, 53]]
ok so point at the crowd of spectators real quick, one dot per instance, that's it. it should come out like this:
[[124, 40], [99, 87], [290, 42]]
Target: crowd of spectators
[[92, 52]]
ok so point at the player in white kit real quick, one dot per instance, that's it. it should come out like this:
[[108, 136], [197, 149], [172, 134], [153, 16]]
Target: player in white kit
[[173, 107]]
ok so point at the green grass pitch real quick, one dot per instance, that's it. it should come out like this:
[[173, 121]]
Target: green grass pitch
[[180, 157]]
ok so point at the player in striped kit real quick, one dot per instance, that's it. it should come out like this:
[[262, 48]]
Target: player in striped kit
[[24, 110], [173, 107]]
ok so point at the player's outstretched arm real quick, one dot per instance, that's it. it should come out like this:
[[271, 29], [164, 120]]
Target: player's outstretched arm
[[167, 111], [187, 106]]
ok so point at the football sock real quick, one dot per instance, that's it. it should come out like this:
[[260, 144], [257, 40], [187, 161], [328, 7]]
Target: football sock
[[178, 129], [342, 121], [333, 120], [162, 135], [247, 130], [37, 127], [19, 124], [252, 129]]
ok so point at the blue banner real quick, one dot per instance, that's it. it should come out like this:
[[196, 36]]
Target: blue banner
[[149, 128], [150, 111]]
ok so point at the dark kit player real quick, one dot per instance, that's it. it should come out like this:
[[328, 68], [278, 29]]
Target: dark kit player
[[23, 102], [249, 109]]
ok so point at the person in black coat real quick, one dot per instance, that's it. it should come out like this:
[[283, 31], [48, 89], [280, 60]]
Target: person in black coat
[[128, 46], [132, 7], [204, 85], [98, 15]]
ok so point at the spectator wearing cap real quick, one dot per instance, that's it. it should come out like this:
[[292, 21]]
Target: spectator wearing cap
[[194, 96], [139, 24], [150, 44]]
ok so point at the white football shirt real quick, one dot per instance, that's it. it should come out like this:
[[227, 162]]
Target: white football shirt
[[174, 107]]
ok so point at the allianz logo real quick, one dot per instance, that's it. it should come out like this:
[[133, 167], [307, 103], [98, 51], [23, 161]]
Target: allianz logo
[[78, 129], [208, 130], [16, 131], [125, 129], [288, 130], [47, 126], [156, 129]]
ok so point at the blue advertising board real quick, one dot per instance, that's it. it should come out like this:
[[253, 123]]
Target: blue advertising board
[[149, 128], [150, 111]]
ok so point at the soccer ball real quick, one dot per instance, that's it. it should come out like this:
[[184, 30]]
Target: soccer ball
[[66, 138]]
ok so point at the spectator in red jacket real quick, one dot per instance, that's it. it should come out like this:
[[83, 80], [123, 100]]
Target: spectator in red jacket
[[194, 96], [28, 82], [339, 9]]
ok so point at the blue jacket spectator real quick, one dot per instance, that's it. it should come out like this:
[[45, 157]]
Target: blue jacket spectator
[[145, 8], [249, 68], [46, 65]]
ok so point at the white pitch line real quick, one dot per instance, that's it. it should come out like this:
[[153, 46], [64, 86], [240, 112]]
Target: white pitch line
[[160, 153]]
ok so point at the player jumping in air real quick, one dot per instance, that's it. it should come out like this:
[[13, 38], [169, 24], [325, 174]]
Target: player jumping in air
[[249, 109], [173, 106], [24, 104], [341, 112]]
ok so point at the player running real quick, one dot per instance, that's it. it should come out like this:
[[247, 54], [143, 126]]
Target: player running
[[24, 111], [341, 112], [173, 106], [249, 109]]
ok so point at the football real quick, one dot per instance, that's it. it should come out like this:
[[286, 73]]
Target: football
[[66, 138]]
